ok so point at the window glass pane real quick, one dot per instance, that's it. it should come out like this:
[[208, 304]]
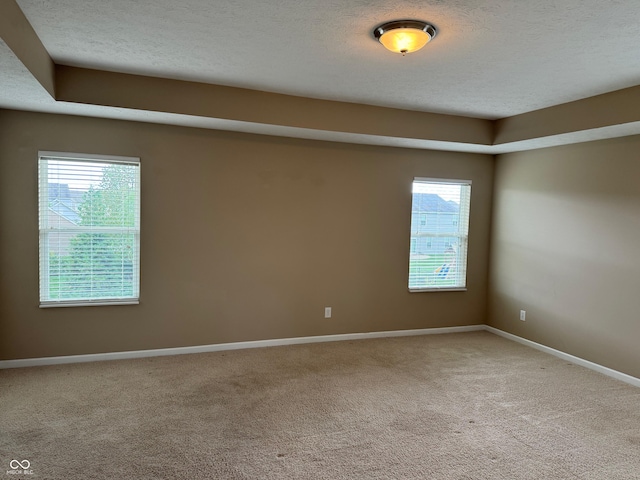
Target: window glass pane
[[439, 228], [94, 265], [89, 229]]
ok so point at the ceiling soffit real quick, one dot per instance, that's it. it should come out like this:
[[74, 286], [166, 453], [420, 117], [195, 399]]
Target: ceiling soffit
[[215, 106]]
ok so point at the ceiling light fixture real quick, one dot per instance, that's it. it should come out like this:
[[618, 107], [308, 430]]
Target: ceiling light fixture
[[405, 36]]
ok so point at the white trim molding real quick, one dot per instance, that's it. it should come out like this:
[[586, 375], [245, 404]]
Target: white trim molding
[[565, 356], [160, 352]]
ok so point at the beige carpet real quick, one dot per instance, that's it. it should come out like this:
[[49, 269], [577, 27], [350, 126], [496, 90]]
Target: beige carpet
[[461, 406]]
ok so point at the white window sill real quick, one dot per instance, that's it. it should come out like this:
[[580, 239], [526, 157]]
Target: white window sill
[[444, 289], [97, 303]]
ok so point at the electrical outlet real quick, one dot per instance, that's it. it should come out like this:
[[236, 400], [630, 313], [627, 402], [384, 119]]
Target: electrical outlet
[[523, 315], [327, 312]]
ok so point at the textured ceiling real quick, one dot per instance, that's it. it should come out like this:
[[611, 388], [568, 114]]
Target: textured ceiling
[[491, 58]]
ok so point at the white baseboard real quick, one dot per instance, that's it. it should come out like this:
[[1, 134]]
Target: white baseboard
[[565, 356], [96, 357]]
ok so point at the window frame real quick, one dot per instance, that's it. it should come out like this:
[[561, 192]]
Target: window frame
[[462, 233], [44, 230]]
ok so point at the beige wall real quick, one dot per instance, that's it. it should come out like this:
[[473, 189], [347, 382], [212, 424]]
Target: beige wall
[[566, 233], [243, 238]]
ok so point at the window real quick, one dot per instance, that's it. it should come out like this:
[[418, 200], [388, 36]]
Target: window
[[438, 257], [89, 211]]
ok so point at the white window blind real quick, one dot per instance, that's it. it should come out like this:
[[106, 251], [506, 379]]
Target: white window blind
[[439, 234], [89, 215]]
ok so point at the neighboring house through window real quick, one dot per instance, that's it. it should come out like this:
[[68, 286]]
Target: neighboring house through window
[[438, 254], [89, 212]]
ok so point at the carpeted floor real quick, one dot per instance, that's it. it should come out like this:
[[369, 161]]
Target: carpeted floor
[[460, 406]]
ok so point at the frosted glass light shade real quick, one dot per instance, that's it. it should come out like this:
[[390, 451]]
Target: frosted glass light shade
[[405, 40]]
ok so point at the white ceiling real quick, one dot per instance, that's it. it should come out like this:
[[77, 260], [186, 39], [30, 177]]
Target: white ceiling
[[491, 58]]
